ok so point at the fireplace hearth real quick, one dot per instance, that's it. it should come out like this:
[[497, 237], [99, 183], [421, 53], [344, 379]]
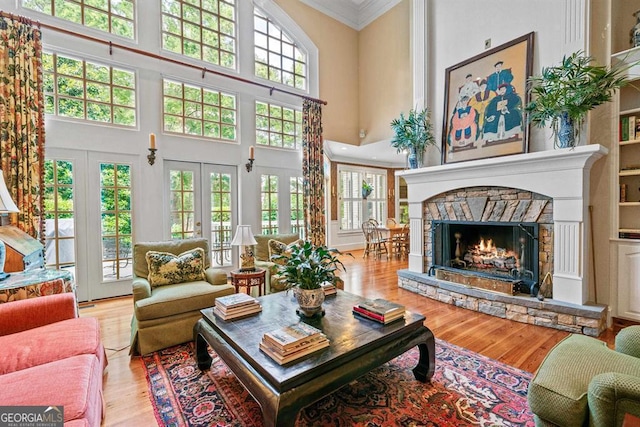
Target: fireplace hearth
[[550, 188], [504, 251]]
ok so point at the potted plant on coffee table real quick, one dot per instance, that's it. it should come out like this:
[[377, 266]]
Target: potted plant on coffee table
[[565, 93], [413, 134], [305, 269]]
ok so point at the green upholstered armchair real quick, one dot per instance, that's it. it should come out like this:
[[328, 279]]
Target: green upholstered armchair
[[164, 315], [582, 382], [261, 254]]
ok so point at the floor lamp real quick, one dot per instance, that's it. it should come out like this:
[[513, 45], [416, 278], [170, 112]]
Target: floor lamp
[[6, 206]]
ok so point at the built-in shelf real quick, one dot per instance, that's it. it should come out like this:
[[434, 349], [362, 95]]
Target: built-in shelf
[[634, 141], [622, 204], [630, 172], [630, 111]]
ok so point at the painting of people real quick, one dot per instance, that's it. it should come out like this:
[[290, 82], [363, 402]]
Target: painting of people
[[484, 103]]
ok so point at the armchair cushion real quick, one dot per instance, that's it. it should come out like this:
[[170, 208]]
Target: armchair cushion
[[41, 345], [169, 300], [167, 269]]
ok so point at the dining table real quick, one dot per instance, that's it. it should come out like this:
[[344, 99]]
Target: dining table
[[393, 233]]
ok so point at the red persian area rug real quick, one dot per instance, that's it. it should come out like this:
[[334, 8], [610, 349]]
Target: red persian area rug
[[467, 389]]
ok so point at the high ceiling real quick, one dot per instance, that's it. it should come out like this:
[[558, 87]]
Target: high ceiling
[[354, 13], [358, 14]]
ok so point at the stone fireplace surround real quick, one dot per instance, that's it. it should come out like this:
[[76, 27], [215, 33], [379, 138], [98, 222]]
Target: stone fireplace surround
[[562, 176]]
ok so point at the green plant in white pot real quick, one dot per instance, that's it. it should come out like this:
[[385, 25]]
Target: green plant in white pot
[[563, 94], [413, 134], [304, 269]]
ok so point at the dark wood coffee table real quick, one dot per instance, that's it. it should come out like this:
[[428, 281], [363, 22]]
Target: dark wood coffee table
[[357, 346]]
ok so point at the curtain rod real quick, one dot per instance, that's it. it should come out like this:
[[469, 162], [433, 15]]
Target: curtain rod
[[155, 56]]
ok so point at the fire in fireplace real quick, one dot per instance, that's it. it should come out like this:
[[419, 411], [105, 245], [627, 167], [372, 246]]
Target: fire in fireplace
[[507, 251]]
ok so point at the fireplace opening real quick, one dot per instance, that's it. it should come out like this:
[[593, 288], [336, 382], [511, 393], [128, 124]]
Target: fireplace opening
[[502, 256]]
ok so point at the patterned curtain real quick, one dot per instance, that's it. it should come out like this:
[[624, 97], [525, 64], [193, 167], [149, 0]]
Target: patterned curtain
[[313, 172], [22, 120]]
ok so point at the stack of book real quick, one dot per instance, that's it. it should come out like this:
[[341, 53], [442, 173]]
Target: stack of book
[[236, 306], [380, 310], [329, 289], [292, 342]]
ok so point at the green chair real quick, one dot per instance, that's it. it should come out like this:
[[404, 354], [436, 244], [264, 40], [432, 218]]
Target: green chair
[[164, 315], [581, 382]]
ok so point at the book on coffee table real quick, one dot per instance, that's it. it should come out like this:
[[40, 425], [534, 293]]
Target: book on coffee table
[[237, 313], [235, 300], [236, 306], [329, 289], [380, 310], [292, 342], [382, 307]]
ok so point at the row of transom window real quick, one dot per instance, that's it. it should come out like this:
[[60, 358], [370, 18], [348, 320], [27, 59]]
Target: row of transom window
[[205, 30], [85, 90]]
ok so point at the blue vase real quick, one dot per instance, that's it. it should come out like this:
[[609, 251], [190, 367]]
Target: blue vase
[[566, 135], [413, 159]]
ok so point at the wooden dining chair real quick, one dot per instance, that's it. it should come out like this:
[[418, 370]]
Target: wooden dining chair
[[402, 243], [375, 243]]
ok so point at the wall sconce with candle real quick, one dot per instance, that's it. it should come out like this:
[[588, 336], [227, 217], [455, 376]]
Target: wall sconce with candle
[[249, 165], [152, 149]]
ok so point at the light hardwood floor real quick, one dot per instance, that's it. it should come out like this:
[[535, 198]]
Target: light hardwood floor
[[516, 344]]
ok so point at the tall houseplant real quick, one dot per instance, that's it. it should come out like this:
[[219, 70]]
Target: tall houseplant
[[414, 134], [304, 269], [565, 93]]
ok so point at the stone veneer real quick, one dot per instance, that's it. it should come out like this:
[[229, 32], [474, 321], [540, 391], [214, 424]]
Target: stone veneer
[[493, 204], [584, 319]]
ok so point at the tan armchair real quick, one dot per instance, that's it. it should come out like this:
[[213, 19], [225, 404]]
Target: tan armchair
[[261, 254], [164, 315]]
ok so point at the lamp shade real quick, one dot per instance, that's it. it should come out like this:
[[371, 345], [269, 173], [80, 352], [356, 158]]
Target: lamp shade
[[6, 203], [243, 236]]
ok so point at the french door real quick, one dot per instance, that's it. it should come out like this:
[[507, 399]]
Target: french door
[[89, 219], [203, 203]]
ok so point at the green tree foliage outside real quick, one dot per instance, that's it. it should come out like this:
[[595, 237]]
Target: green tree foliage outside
[[58, 192], [197, 111], [200, 29], [111, 16], [115, 185], [269, 204], [110, 95]]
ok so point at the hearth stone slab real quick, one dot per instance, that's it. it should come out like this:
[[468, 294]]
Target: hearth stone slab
[[583, 319]]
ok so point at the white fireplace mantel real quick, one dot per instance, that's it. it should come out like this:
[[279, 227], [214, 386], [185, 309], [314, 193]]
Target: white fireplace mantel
[[561, 174]]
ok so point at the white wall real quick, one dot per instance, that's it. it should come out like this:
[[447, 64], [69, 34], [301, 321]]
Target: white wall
[[457, 30]]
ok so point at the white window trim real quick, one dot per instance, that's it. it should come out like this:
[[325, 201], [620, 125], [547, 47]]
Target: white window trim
[[275, 13], [360, 170]]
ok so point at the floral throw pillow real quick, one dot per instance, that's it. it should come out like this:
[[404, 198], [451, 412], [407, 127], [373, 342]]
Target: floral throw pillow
[[167, 269], [278, 248]]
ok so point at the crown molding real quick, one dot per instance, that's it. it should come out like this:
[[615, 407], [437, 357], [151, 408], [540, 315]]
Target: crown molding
[[356, 14]]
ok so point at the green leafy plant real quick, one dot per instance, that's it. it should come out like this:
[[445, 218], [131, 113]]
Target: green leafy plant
[[308, 266], [366, 189], [413, 133], [570, 90]]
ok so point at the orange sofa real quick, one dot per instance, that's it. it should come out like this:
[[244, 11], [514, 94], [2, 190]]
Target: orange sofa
[[52, 357]]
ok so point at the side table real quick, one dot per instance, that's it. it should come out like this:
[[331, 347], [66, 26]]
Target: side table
[[249, 279], [35, 283]]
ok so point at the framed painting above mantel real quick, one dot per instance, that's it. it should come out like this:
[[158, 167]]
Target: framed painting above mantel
[[484, 103]]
